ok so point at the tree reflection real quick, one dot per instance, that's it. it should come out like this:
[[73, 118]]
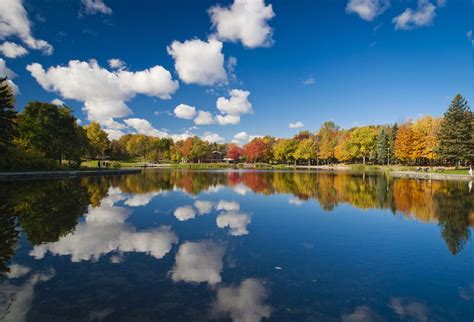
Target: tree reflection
[[8, 226]]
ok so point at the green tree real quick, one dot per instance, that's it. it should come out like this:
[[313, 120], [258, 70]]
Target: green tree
[[362, 142], [98, 139], [382, 146], [455, 134], [52, 131], [7, 115], [200, 149], [391, 142]]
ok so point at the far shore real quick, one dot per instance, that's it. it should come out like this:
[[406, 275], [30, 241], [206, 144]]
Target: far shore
[[136, 167]]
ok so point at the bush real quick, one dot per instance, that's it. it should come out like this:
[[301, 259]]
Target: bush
[[115, 164], [17, 158]]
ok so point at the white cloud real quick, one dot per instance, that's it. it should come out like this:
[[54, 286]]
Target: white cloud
[[116, 63], [199, 62], [142, 126], [5, 71], [114, 134], [361, 313], [212, 137], [204, 118], [16, 310], [182, 136], [244, 303], [413, 18], [245, 21], [184, 213], [14, 23], [203, 206], [104, 231], [295, 125], [198, 262], [12, 50], [57, 102], [309, 81], [184, 111], [228, 119], [409, 310], [241, 136], [17, 271], [96, 6], [81, 80], [237, 104], [141, 199], [440, 3], [228, 205], [237, 222], [469, 36], [367, 9]]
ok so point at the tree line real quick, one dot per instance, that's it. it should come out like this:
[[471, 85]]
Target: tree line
[[44, 135]]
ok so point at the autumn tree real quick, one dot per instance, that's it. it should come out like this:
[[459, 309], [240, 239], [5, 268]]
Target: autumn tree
[[403, 143], [327, 139], [255, 150], [199, 149], [98, 139], [284, 149], [425, 138], [307, 150], [362, 142], [455, 134], [234, 152]]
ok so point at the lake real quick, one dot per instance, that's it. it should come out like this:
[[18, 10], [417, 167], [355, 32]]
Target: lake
[[181, 245]]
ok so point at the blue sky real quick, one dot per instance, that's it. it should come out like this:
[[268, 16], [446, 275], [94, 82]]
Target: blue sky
[[269, 63]]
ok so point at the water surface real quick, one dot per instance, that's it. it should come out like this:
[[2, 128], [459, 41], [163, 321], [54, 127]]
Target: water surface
[[236, 246]]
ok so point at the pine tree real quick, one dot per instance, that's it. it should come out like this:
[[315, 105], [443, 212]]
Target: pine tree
[[455, 135], [391, 142], [382, 146], [7, 114]]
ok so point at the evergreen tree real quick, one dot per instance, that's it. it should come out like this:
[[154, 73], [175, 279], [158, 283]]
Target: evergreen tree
[[7, 114], [455, 135], [382, 146], [391, 142]]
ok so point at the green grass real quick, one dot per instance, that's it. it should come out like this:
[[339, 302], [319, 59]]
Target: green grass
[[92, 164]]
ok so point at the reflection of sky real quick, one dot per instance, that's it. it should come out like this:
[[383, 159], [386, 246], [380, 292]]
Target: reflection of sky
[[104, 230], [227, 258]]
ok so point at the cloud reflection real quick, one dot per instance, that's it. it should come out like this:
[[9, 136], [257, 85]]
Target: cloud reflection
[[244, 303], [237, 222], [199, 262], [104, 230]]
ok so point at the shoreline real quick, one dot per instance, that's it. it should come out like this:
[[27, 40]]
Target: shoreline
[[64, 173], [431, 176]]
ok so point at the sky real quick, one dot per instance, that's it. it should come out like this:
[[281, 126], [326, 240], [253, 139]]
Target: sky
[[231, 70]]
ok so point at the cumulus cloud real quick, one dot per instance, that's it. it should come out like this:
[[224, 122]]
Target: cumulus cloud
[[12, 50], [14, 22], [228, 119], [184, 111], [116, 63], [198, 262], [295, 125], [57, 102], [228, 205], [199, 62], [245, 21], [92, 7], [244, 303], [241, 136], [414, 18], [203, 206], [22, 294], [204, 118], [80, 80], [212, 137], [367, 9], [408, 309], [184, 213], [104, 231], [237, 222], [142, 126], [17, 271], [7, 72], [237, 104]]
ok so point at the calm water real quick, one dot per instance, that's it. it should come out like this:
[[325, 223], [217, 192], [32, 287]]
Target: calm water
[[241, 246]]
